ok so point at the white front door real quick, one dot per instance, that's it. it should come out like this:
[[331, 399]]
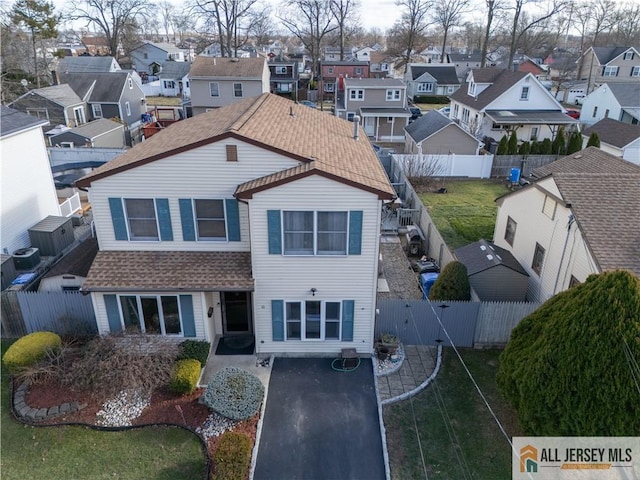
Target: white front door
[[370, 126]]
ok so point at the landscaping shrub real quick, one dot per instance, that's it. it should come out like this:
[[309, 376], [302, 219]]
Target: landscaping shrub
[[232, 456], [185, 376], [196, 349], [234, 393], [30, 349], [559, 145], [451, 284], [535, 148], [437, 99], [545, 147], [107, 365], [503, 146], [594, 140], [513, 143], [575, 143], [524, 148]]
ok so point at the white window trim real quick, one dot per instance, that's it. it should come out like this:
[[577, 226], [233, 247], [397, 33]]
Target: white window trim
[[130, 83], [217, 89], [393, 95], [635, 71], [139, 297], [425, 87], [126, 217], [127, 108], [610, 71], [195, 222], [97, 112], [354, 94], [323, 321], [241, 90], [525, 93], [628, 56], [82, 115], [315, 235]]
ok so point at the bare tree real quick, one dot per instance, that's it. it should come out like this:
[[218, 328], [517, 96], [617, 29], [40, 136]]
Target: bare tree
[[344, 12], [166, 10], [411, 28], [523, 23], [182, 22], [602, 15], [110, 17], [492, 8], [309, 21], [448, 14], [627, 25], [262, 29]]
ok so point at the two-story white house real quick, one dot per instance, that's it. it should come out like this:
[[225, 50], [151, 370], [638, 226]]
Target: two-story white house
[[579, 217], [494, 102], [381, 104], [619, 101], [261, 218]]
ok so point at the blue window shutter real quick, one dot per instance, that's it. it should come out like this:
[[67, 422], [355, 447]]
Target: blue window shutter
[[277, 320], [355, 232], [188, 320], [347, 320], [164, 219], [186, 218], [233, 219], [113, 313], [274, 232], [117, 217]]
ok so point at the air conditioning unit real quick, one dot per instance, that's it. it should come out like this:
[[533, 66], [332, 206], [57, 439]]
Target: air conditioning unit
[[26, 258]]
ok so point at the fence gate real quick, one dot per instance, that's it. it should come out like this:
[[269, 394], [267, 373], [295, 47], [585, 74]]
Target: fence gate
[[415, 321]]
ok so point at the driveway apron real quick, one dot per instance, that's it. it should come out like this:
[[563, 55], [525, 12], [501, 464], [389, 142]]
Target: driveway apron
[[320, 424]]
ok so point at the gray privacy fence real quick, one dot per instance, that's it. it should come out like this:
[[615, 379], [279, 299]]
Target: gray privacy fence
[[502, 164], [65, 313], [469, 324]]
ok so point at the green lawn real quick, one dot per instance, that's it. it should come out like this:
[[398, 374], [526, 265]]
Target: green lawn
[[81, 453], [469, 444], [467, 212]]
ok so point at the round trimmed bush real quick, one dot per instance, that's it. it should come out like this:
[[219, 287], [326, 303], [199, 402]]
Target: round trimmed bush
[[185, 376], [30, 349], [232, 456], [234, 393]]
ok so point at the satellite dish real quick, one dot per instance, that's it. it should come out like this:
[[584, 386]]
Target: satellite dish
[[24, 82]]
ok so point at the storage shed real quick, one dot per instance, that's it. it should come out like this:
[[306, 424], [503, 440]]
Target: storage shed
[[69, 273], [494, 273], [52, 235]]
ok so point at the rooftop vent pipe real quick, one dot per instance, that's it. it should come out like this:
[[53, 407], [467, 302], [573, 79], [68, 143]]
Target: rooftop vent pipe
[[356, 126]]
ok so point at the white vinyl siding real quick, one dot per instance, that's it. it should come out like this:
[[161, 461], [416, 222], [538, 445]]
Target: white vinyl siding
[[209, 175], [291, 278]]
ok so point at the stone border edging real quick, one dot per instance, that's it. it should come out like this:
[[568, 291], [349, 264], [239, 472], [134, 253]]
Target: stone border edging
[[392, 370], [420, 387], [24, 411], [256, 445]]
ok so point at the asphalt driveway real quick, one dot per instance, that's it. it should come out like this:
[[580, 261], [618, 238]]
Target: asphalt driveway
[[320, 424]]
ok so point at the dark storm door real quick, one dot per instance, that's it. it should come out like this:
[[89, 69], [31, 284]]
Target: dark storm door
[[237, 312]]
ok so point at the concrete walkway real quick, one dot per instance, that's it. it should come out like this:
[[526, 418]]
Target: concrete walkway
[[418, 365]]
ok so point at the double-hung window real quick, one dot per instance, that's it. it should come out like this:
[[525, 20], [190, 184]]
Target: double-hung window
[[210, 219], [510, 231], [97, 110], [538, 258], [393, 95], [635, 71], [214, 89], [237, 90], [524, 93], [356, 94], [610, 71], [315, 233], [313, 320], [425, 87], [141, 219]]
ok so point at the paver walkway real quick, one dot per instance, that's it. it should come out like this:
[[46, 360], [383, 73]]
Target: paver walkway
[[418, 365]]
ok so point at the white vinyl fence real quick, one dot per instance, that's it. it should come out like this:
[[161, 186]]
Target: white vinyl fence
[[443, 165]]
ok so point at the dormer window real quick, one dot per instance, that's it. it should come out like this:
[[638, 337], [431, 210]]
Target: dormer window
[[472, 89], [524, 93], [628, 55]]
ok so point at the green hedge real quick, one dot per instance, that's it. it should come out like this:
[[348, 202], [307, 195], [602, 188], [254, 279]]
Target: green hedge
[[232, 456], [185, 376], [30, 349], [431, 99], [196, 349]]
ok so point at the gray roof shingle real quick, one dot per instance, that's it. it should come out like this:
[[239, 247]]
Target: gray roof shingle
[[173, 70], [95, 128], [627, 94], [373, 82], [589, 160], [108, 86], [501, 81], [204, 67], [606, 54], [427, 125], [13, 121], [482, 255], [444, 75], [613, 132], [85, 64]]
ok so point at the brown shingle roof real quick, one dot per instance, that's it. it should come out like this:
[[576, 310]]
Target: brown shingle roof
[[169, 271], [589, 160], [308, 135], [613, 132], [227, 67], [606, 208], [501, 81]]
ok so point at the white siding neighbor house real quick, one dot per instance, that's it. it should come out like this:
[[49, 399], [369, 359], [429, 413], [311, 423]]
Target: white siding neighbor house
[[28, 193], [617, 138], [620, 101], [494, 102], [261, 218], [579, 217]]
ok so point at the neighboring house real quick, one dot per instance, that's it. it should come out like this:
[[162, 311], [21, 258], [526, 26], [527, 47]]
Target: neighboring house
[[332, 54], [284, 76], [495, 102], [69, 273], [364, 54], [571, 92], [58, 105], [261, 218], [579, 217], [100, 133], [149, 57], [88, 64], [174, 79], [216, 82], [27, 191], [434, 55], [98, 46], [620, 101], [381, 65], [464, 63], [538, 70], [433, 133], [494, 273], [381, 104], [425, 79], [617, 138], [331, 71], [111, 95], [609, 65]]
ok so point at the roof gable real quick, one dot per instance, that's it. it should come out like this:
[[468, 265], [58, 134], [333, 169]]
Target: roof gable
[[444, 75], [12, 121], [62, 95], [483, 255], [214, 67], [613, 132], [98, 87], [86, 64], [627, 94], [500, 81], [589, 160], [608, 54]]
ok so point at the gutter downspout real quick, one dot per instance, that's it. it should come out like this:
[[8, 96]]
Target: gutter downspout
[[564, 250]]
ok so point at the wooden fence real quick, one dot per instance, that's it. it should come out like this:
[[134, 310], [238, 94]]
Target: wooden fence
[[502, 164], [65, 313], [467, 324]]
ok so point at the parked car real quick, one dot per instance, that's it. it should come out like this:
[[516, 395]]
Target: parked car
[[446, 111], [415, 113], [574, 113], [308, 103]]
